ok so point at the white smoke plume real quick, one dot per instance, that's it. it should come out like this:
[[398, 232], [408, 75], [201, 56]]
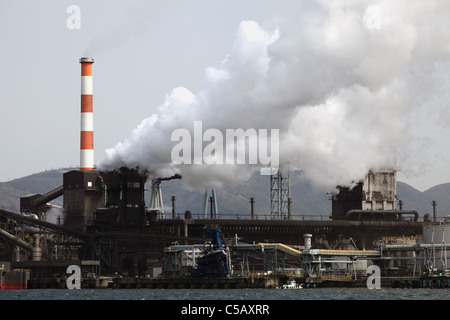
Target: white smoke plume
[[345, 83]]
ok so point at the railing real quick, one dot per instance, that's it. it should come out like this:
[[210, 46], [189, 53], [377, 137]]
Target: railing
[[296, 217], [338, 277], [255, 217]]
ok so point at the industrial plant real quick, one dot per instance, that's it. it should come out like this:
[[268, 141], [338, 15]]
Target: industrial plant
[[119, 241]]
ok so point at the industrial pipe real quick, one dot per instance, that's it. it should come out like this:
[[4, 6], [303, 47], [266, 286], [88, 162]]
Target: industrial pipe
[[357, 214]]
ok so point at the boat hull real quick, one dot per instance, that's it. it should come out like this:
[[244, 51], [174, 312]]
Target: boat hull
[[14, 279]]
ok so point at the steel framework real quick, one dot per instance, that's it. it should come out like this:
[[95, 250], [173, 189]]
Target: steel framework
[[280, 195]]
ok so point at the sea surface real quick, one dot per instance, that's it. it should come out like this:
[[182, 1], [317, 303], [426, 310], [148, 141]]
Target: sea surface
[[265, 304], [227, 294]]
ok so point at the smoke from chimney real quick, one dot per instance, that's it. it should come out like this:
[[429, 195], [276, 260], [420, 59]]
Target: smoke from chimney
[[342, 92]]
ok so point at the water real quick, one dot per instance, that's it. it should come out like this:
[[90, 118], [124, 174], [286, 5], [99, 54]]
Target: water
[[227, 294], [329, 303]]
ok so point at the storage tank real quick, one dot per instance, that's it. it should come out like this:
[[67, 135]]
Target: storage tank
[[307, 239], [344, 262], [438, 236]]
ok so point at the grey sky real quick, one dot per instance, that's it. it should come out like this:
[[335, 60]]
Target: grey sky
[[142, 50]]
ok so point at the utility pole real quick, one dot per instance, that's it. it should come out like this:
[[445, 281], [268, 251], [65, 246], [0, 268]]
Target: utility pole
[[173, 207], [434, 210], [252, 208]]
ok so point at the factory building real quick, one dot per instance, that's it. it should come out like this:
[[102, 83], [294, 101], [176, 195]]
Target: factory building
[[373, 198], [108, 229], [83, 194]]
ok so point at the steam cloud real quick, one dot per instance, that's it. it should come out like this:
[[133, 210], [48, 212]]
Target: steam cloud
[[345, 86]]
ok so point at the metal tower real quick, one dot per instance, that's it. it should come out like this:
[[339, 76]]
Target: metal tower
[[280, 195], [157, 199]]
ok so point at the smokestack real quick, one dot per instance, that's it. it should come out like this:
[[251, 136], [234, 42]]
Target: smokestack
[[87, 116]]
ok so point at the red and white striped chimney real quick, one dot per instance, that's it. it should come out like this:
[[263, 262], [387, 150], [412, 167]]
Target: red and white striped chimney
[[87, 116]]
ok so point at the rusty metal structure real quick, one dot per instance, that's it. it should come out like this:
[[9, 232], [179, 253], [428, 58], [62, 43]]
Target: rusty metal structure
[[106, 222], [38, 203], [376, 193]]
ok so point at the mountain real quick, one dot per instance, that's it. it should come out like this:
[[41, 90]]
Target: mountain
[[422, 201], [232, 201]]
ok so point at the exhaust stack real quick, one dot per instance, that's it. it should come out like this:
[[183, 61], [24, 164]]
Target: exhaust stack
[[87, 116]]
